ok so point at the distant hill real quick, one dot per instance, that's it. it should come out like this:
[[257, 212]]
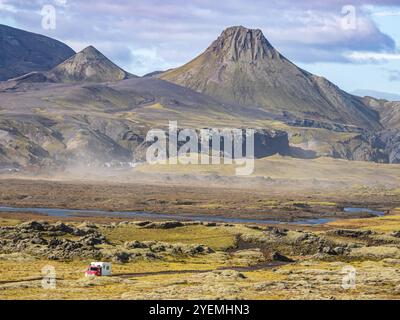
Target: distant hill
[[377, 95], [241, 66], [89, 65], [22, 52], [153, 74]]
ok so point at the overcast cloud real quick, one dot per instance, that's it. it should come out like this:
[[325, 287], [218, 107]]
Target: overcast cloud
[[147, 35]]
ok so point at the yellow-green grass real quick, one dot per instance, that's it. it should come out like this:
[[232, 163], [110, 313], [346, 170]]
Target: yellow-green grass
[[216, 238], [326, 278], [325, 169], [71, 283], [388, 223], [278, 167], [8, 222], [22, 269]]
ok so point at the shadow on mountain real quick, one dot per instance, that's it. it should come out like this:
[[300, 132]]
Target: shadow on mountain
[[300, 153], [294, 152]]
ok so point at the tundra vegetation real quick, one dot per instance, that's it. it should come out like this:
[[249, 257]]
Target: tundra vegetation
[[196, 260]]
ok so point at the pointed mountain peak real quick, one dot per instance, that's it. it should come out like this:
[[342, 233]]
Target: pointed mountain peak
[[90, 48], [88, 65], [91, 51], [242, 67], [240, 42], [228, 32]]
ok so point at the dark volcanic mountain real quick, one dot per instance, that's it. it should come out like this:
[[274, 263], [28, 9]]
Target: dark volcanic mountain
[[23, 52], [88, 111], [89, 65], [241, 66]]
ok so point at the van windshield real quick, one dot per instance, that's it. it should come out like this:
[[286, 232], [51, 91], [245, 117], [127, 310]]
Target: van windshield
[[94, 269]]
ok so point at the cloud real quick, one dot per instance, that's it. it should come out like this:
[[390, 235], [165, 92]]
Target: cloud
[[175, 31], [386, 14], [373, 57], [394, 75], [5, 6], [315, 37]]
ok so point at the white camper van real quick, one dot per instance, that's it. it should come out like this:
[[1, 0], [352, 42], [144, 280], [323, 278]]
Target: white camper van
[[99, 269]]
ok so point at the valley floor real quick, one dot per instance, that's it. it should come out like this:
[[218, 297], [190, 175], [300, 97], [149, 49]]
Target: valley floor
[[286, 202], [199, 260], [232, 262]]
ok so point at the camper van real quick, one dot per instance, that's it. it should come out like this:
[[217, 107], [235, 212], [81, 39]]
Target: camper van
[[99, 269]]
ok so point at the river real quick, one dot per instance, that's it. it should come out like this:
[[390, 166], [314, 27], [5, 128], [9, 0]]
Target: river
[[64, 213]]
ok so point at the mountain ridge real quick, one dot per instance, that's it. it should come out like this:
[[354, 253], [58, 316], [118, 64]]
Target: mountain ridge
[[23, 52], [88, 65], [377, 94], [241, 66]]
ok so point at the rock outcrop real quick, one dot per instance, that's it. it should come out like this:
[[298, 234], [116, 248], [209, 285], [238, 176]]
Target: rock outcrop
[[42, 239]]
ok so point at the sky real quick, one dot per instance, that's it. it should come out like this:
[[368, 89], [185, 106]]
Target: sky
[[354, 43]]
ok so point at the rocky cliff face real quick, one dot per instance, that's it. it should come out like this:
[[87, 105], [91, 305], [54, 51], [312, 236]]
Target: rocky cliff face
[[242, 67], [389, 111], [390, 118], [391, 138], [94, 141], [23, 52]]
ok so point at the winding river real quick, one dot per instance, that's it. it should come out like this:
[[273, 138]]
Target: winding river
[[64, 213]]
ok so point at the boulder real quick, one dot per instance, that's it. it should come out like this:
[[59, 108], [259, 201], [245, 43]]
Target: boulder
[[164, 225], [93, 239], [277, 232], [353, 233], [276, 256], [121, 257], [136, 245], [32, 225], [395, 234], [61, 227]]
